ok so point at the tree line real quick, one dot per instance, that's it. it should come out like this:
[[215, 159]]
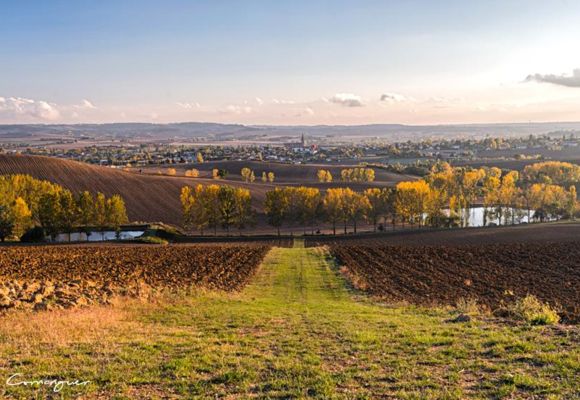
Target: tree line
[[441, 199], [26, 202], [209, 206]]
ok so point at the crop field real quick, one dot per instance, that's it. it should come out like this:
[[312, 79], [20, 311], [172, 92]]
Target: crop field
[[297, 330], [492, 274], [47, 277]]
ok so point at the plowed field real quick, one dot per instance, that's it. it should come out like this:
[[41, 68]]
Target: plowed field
[[41, 277], [494, 274]]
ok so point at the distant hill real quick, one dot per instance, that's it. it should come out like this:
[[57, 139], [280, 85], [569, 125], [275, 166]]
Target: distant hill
[[217, 131]]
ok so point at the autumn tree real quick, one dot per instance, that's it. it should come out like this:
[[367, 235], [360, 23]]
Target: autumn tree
[[271, 177], [187, 204], [411, 200], [100, 213], [6, 222], [324, 176], [192, 173], [310, 205], [333, 208], [85, 206], [380, 204], [276, 207], [196, 207], [49, 213], [21, 217], [171, 171], [264, 177], [116, 213], [572, 205], [247, 173], [199, 158], [227, 207], [68, 213], [243, 214], [212, 205], [354, 207]]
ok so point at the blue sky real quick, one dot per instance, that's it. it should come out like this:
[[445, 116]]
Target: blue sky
[[289, 62]]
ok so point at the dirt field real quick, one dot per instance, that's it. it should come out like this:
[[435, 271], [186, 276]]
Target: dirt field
[[44, 277], [149, 198], [525, 233], [286, 173], [494, 274]]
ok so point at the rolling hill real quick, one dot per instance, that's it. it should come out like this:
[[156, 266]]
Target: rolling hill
[[155, 198], [148, 198]]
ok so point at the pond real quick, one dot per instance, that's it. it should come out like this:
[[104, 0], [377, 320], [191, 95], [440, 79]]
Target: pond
[[96, 236], [476, 216]]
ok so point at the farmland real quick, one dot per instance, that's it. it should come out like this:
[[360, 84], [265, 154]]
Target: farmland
[[155, 198], [59, 277], [493, 274], [295, 331], [561, 232]]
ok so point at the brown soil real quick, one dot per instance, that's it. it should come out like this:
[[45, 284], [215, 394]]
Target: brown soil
[[493, 274], [525, 233], [41, 277], [148, 198]]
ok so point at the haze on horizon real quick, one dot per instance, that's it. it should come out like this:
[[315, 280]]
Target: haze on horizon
[[290, 62]]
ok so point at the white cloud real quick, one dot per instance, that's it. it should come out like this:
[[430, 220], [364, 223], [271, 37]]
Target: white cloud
[[309, 111], [86, 105], [562, 80], [259, 101], [235, 109], [283, 101], [346, 100], [15, 107], [393, 98], [189, 106]]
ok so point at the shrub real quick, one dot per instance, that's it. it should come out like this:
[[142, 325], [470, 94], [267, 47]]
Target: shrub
[[533, 311], [153, 240], [33, 235], [468, 306]]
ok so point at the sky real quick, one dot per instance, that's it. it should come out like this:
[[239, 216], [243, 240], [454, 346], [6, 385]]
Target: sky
[[289, 62]]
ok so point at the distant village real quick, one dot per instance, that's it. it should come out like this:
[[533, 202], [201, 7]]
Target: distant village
[[305, 149]]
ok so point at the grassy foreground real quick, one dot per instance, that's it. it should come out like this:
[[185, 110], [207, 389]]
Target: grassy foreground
[[295, 332]]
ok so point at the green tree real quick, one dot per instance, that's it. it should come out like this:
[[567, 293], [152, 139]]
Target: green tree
[[227, 207], [49, 213], [68, 213], [86, 209]]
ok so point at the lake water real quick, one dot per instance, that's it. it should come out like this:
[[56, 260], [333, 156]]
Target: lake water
[[96, 236], [476, 214]]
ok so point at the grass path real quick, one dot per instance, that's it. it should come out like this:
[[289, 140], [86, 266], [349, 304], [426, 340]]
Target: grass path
[[295, 332]]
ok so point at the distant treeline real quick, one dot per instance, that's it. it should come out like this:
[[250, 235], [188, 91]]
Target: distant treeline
[[544, 191]]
